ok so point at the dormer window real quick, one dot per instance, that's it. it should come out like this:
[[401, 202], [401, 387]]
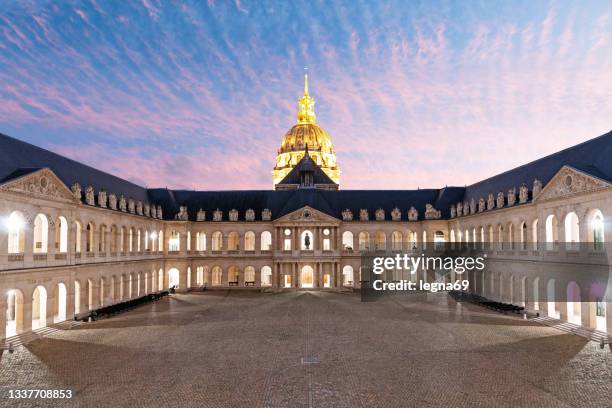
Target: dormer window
[[307, 179]]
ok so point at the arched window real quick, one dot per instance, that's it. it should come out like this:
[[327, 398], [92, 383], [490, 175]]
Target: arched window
[[500, 236], [41, 234], [131, 240], [249, 276], [233, 241], [596, 230], [552, 232], [364, 241], [217, 241], [173, 277], [201, 241], [90, 236], [347, 241], [146, 240], [482, 238], [233, 274], [138, 240], [523, 235], [102, 241], [122, 239], [113, 238], [188, 240], [266, 276], [439, 240], [61, 235], [217, 276], [491, 238], [249, 242], [266, 241], [174, 242], [347, 275], [381, 241], [396, 240], [16, 233], [78, 229], [424, 239], [572, 230], [160, 241]]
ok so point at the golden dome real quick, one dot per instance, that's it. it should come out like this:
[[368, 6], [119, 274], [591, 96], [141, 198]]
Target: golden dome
[[306, 135]]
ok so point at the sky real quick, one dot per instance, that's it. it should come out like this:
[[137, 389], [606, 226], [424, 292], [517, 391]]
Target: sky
[[198, 95]]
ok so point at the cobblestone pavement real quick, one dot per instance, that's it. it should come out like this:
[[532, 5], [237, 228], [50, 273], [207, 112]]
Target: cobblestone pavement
[[311, 349]]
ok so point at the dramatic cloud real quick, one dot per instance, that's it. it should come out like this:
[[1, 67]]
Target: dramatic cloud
[[199, 95]]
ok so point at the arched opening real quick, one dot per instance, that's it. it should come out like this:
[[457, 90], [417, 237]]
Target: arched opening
[[41, 234], [482, 238], [307, 241], [511, 236], [138, 238], [102, 240], [15, 225], [89, 241], [396, 240], [90, 295], [61, 235], [536, 294], [534, 234], [347, 275], [596, 229], [523, 235], [249, 276], [412, 239], [500, 237], [122, 239], [173, 278], [573, 303], [39, 307], [233, 275], [266, 241], [307, 276], [439, 239], [217, 241], [216, 276], [233, 241], [380, 241], [174, 242], [249, 241], [552, 232], [113, 239], [61, 298], [160, 280], [572, 231], [14, 312], [266, 276], [491, 237], [550, 298], [347, 241], [364, 241], [146, 281], [160, 241]]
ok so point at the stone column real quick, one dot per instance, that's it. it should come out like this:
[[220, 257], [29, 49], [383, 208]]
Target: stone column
[[50, 312], [26, 321], [69, 299]]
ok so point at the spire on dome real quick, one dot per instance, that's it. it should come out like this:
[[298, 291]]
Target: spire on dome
[[306, 113]]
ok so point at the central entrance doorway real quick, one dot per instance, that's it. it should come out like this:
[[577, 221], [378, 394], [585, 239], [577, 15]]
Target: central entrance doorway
[[306, 276]]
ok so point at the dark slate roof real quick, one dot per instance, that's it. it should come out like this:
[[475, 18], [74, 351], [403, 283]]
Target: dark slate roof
[[283, 202], [18, 158], [593, 157], [306, 164]]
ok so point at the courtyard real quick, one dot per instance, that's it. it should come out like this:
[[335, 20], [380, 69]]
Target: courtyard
[[310, 349]]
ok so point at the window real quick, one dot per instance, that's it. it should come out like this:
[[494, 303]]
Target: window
[[174, 242], [217, 241], [16, 236], [347, 241], [249, 241], [41, 233], [200, 241], [266, 241]]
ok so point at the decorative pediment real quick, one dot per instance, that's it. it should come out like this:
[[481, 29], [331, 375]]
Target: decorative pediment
[[570, 181], [308, 213], [41, 183]]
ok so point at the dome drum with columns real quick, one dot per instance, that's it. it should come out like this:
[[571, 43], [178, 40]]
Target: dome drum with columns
[[305, 136]]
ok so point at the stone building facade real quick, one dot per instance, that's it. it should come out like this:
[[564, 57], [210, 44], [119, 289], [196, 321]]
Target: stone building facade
[[74, 238]]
